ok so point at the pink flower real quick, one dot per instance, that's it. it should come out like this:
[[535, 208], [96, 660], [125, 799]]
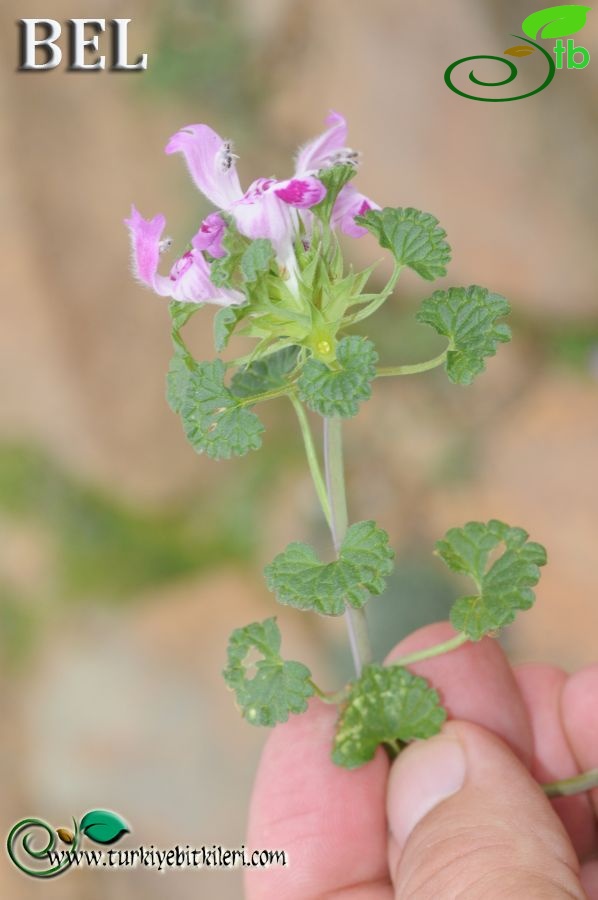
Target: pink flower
[[330, 149], [266, 210], [189, 278]]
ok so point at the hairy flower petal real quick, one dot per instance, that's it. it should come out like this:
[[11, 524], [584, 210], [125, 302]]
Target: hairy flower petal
[[211, 163], [317, 154], [261, 214], [189, 279]]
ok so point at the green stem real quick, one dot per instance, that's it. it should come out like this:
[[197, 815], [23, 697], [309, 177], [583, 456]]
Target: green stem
[[335, 483], [587, 781], [429, 652], [377, 303], [267, 395], [312, 457], [413, 369], [333, 698]]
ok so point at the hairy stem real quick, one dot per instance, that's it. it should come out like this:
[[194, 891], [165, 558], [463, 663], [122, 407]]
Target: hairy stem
[[435, 650], [312, 458], [335, 483], [414, 369], [334, 698], [587, 781]]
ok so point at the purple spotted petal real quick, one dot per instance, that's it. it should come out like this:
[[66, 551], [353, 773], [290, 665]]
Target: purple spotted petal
[[351, 203], [210, 234], [261, 214], [301, 192], [189, 279], [211, 163]]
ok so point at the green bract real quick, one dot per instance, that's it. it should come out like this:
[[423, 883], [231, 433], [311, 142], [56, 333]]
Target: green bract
[[504, 587], [338, 390], [300, 579], [415, 239], [387, 704], [276, 688], [215, 421], [334, 179], [467, 317]]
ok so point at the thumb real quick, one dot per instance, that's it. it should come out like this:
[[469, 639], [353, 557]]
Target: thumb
[[466, 819]]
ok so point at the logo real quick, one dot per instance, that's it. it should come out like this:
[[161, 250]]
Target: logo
[[554, 22], [100, 825]]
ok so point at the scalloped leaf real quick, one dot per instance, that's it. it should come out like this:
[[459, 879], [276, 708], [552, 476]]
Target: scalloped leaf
[[300, 579], [257, 259], [556, 21], [339, 391], [467, 317], [276, 687], [503, 588], [388, 704], [265, 374], [415, 239], [215, 421]]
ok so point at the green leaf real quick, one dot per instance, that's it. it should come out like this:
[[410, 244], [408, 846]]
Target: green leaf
[[338, 392], [300, 579], [276, 688], [215, 421], [225, 321], [334, 179], [103, 826], [180, 313], [257, 259], [415, 239], [266, 374], [387, 704], [504, 587], [467, 317], [178, 379], [223, 271], [556, 21]]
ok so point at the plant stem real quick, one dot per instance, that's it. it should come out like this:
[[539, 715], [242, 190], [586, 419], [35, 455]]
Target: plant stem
[[378, 301], [334, 698], [587, 781], [335, 483], [413, 369], [312, 458], [435, 650], [267, 395]]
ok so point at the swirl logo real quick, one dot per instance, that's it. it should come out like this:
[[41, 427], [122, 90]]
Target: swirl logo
[[553, 22], [46, 861]]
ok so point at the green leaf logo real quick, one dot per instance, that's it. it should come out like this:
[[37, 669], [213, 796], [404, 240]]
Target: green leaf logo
[[103, 826], [556, 21]]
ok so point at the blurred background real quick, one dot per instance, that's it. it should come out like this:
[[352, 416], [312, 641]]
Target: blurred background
[[125, 559]]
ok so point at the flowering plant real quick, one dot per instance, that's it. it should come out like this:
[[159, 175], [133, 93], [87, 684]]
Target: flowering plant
[[270, 257]]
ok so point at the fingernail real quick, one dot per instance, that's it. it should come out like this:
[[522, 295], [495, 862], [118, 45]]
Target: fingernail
[[424, 775]]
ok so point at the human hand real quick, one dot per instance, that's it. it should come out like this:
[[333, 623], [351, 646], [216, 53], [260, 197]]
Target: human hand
[[459, 815]]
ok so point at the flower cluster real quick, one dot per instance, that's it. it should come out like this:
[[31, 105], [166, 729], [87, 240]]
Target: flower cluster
[[279, 211]]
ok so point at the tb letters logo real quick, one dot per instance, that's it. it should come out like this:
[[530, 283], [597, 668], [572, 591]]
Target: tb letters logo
[[40, 52], [554, 22]]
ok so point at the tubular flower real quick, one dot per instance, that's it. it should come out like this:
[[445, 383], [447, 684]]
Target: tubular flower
[[327, 150], [269, 209], [189, 278]]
